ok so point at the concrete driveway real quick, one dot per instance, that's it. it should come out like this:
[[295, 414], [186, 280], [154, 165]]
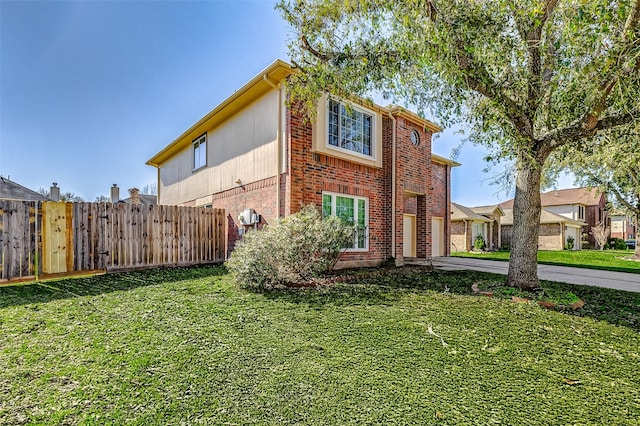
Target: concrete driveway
[[583, 276]]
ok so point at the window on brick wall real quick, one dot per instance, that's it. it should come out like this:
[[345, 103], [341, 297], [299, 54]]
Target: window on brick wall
[[350, 128], [478, 229], [200, 152], [352, 210]]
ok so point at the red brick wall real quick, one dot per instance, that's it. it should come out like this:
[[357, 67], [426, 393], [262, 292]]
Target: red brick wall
[[441, 176], [312, 173], [592, 215], [260, 196], [413, 176], [308, 174]]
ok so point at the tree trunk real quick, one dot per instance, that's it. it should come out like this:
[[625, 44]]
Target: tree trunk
[[523, 261], [636, 254]]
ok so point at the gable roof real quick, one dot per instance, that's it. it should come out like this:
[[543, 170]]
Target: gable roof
[[545, 217], [10, 190], [460, 212], [263, 82], [560, 197], [488, 210], [252, 90]]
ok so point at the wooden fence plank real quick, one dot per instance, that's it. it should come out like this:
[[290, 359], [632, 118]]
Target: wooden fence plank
[[68, 236]]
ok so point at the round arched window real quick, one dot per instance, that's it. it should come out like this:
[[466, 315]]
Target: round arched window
[[415, 137]]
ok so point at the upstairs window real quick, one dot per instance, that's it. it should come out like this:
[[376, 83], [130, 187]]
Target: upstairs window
[[200, 152], [350, 128], [352, 210], [581, 212]]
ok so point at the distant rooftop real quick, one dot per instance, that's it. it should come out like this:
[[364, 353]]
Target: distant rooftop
[[560, 197], [10, 190]]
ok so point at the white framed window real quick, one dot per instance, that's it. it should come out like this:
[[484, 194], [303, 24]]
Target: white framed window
[[352, 210], [581, 212], [350, 128], [200, 152], [478, 229]]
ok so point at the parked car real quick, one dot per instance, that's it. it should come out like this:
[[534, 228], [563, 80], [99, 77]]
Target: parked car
[[630, 244]]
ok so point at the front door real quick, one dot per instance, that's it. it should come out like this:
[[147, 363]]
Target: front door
[[409, 235]]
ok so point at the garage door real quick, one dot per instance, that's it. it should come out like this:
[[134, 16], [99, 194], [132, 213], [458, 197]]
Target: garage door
[[437, 237]]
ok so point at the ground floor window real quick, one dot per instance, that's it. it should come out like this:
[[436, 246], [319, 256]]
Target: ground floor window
[[352, 210], [478, 229]]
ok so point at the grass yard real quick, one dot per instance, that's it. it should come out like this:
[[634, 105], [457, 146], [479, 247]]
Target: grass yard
[[186, 346], [610, 260]]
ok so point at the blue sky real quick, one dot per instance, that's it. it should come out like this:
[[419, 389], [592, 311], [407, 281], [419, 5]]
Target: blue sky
[[89, 91]]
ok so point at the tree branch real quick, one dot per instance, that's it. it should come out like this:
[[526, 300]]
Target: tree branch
[[607, 186], [632, 20], [622, 200], [532, 38], [577, 130], [479, 80], [591, 122]]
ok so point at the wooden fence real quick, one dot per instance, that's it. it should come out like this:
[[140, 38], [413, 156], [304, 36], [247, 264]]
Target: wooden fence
[[58, 238]]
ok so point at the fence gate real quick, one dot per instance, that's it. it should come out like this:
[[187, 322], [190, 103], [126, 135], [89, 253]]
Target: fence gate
[[57, 237]]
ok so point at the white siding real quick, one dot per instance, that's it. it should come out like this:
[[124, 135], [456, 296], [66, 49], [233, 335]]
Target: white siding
[[243, 147], [567, 211]]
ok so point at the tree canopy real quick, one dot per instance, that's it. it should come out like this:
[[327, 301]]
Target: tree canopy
[[526, 77]]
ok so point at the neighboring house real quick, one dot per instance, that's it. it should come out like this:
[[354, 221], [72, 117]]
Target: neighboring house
[[585, 205], [554, 233], [370, 165], [143, 199], [622, 226], [135, 197], [13, 191], [467, 223]]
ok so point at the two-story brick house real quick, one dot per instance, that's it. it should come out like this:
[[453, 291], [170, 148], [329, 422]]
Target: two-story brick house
[[370, 165]]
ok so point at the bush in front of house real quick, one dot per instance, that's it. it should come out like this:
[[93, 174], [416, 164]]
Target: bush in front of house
[[616, 244], [292, 251], [479, 243], [570, 244]]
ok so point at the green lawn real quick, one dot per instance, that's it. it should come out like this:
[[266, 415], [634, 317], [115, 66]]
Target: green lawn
[[187, 346], [612, 260]]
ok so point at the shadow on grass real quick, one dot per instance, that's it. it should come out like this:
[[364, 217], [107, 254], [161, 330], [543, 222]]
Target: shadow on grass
[[366, 287], [46, 291], [380, 287], [386, 286]]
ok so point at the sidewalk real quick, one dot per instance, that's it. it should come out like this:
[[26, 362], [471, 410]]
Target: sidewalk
[[593, 277]]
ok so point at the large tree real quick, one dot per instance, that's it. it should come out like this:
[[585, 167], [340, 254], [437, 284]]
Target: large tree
[[527, 77]]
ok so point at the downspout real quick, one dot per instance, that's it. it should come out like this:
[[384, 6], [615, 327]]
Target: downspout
[[466, 228], [158, 184], [393, 187], [278, 141], [447, 212]]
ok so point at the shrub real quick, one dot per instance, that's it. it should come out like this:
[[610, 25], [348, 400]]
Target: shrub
[[570, 243], [616, 244], [293, 250], [479, 243]]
